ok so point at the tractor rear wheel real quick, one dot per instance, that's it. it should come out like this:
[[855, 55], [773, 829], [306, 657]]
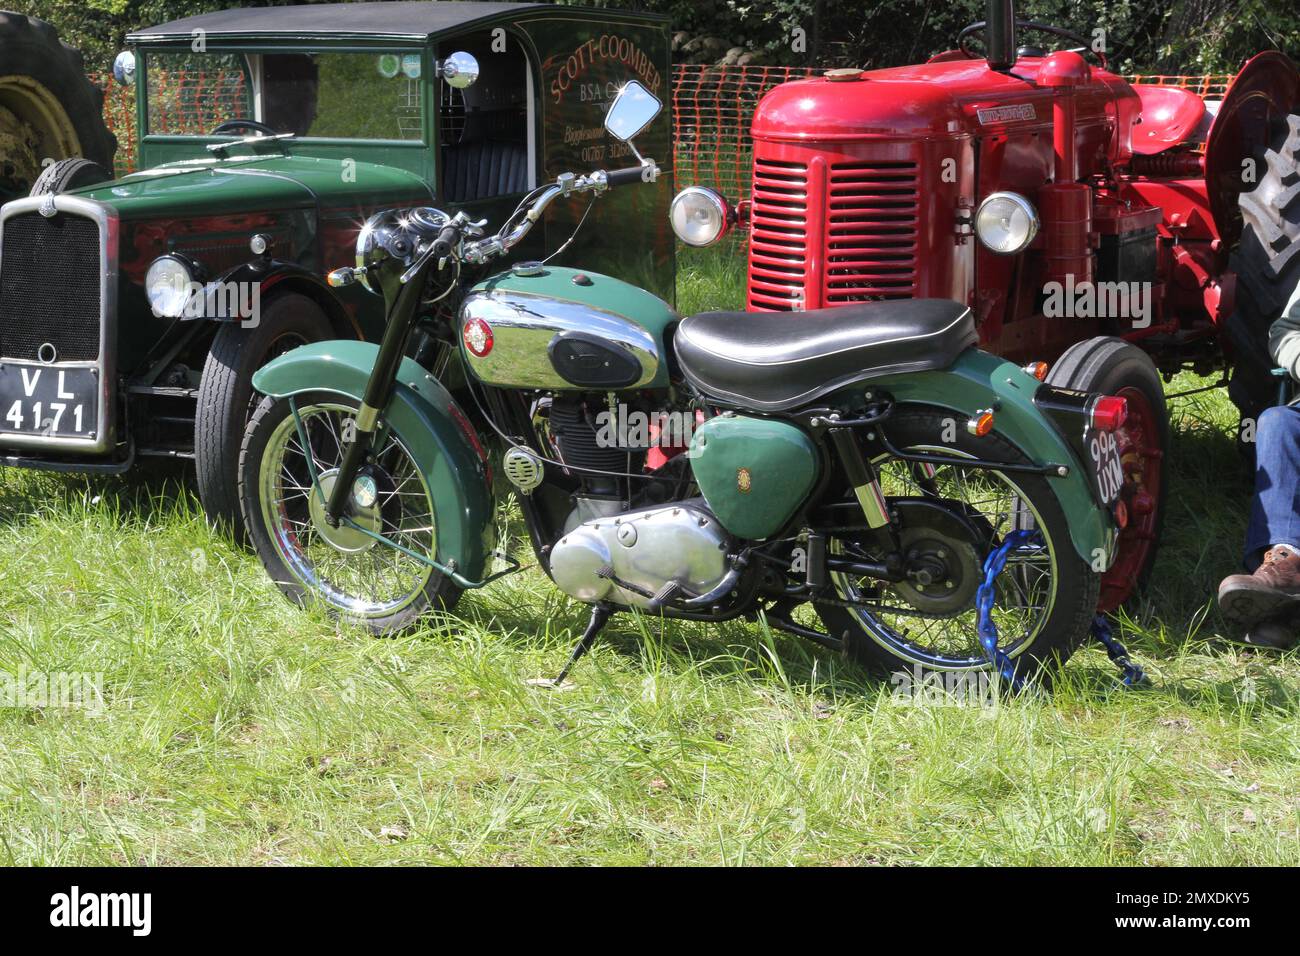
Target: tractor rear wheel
[[49, 110], [1267, 265], [1111, 366]]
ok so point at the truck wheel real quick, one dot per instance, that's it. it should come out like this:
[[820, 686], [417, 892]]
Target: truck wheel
[[68, 174], [48, 109], [1267, 266], [1112, 366], [227, 399]]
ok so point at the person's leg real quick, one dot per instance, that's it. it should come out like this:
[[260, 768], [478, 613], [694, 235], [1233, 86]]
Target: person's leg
[[1268, 598], [1275, 510]]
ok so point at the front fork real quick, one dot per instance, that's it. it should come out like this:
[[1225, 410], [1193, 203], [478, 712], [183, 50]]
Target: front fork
[[378, 393]]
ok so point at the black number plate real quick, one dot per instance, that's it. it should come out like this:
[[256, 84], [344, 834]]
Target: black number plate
[[1107, 469], [48, 400]]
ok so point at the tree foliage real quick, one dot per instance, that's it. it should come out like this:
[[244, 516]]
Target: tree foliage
[[1166, 36]]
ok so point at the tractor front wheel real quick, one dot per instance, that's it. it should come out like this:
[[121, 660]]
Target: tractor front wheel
[[1111, 366]]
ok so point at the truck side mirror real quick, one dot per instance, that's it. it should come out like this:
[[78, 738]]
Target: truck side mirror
[[124, 68], [632, 110], [459, 70]]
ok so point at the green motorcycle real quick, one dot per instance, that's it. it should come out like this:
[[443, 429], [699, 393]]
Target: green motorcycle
[[861, 476]]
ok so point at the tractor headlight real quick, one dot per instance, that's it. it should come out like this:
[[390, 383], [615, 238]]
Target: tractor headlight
[[1006, 223], [169, 285], [700, 216]]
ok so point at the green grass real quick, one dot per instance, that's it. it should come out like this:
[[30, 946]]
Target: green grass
[[238, 729]]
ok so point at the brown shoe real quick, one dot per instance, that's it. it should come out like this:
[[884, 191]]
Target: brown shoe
[[1277, 634], [1247, 599]]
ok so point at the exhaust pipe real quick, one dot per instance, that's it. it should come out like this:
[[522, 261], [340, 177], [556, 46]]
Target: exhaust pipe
[[1000, 34]]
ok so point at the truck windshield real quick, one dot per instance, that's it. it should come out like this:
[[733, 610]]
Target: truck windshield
[[363, 96]]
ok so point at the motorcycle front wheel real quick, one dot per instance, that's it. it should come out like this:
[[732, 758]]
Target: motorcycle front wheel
[[347, 568], [954, 516]]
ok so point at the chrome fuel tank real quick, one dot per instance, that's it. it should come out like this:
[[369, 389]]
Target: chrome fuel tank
[[563, 330]]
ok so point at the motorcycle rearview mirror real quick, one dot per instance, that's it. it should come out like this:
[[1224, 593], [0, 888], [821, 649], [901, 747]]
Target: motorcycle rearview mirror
[[124, 68], [459, 70], [632, 110]]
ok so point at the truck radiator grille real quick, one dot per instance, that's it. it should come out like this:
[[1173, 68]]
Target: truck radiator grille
[[49, 287], [871, 227], [847, 232]]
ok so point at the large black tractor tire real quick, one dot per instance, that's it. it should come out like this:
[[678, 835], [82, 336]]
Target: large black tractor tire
[[72, 173], [1267, 266], [49, 110], [1111, 366], [227, 399]]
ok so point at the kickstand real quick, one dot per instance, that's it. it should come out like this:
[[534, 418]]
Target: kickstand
[[600, 615]]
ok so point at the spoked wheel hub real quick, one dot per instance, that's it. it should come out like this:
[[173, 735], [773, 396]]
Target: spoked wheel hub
[[941, 558], [363, 509]]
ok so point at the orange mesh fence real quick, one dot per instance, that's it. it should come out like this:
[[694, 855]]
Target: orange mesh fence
[[711, 106], [1212, 85], [180, 103]]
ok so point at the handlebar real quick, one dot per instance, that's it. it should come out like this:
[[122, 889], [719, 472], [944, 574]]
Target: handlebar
[[451, 236], [632, 174]]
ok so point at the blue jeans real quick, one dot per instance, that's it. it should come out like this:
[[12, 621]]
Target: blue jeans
[[1275, 511]]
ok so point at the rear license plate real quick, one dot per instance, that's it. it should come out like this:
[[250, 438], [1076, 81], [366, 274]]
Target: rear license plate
[[48, 401], [1107, 469]]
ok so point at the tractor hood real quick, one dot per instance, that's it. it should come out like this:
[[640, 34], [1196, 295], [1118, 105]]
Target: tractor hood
[[939, 99], [243, 183]]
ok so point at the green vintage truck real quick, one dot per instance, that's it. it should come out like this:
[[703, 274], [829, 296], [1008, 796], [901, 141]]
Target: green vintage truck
[[134, 311]]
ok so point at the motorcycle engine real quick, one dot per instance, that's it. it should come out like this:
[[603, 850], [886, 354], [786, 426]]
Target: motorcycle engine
[[681, 543]]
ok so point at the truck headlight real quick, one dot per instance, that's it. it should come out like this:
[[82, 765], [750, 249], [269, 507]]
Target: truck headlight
[[169, 285], [1006, 222], [700, 216]]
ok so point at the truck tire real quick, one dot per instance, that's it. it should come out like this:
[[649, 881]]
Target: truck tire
[[1267, 265], [48, 108], [1112, 366], [227, 399], [72, 173]]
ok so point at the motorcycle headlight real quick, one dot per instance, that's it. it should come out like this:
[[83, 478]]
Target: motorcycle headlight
[[169, 285], [700, 216], [1006, 223]]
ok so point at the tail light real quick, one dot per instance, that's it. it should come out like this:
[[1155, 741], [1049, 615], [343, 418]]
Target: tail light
[[1109, 412]]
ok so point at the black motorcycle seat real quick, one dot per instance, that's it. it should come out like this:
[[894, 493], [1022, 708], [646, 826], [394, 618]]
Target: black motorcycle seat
[[776, 361]]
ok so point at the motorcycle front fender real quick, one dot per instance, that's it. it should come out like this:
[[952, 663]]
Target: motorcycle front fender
[[438, 435], [979, 381]]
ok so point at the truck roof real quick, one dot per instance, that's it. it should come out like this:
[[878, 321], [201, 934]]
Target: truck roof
[[398, 20]]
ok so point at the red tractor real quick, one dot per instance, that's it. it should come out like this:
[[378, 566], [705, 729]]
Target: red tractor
[[1121, 232]]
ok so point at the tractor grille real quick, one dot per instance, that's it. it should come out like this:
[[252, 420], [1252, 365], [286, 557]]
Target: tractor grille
[[832, 233], [871, 232], [778, 245], [49, 287]]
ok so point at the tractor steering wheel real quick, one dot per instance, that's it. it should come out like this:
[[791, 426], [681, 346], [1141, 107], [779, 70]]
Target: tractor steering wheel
[[229, 126], [980, 25]]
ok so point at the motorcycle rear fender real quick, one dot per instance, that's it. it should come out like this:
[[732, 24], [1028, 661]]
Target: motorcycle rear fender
[[431, 425], [978, 380]]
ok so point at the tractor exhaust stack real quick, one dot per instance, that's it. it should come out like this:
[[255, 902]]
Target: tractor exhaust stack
[[1000, 34]]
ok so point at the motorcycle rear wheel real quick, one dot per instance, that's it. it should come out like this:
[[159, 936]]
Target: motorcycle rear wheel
[[1044, 599], [354, 575]]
